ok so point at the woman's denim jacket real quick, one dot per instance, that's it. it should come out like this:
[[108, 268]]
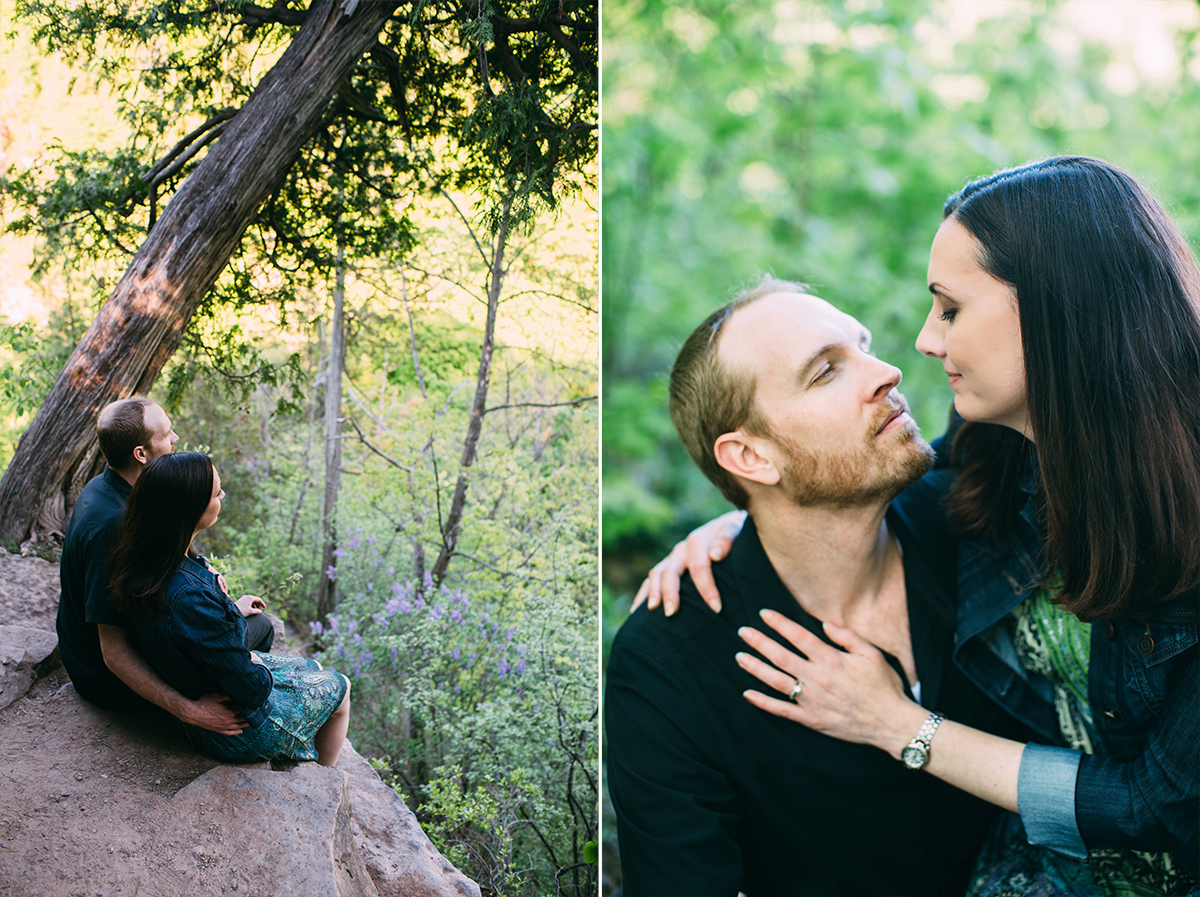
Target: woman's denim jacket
[[198, 645], [1139, 790]]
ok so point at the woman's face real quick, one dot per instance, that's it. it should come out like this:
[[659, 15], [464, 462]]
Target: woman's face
[[209, 517], [973, 329]]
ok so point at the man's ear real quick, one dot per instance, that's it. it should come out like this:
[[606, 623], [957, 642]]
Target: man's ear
[[746, 456], [139, 455]]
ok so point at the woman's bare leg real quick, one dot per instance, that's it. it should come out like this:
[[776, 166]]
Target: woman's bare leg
[[331, 735]]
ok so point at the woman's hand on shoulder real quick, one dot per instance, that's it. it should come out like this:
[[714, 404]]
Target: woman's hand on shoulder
[[696, 554]]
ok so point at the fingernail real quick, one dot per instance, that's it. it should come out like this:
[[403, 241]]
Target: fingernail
[[669, 611], [717, 553], [741, 658], [766, 614]]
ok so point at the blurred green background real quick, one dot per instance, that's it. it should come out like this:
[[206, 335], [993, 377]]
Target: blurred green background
[[818, 141]]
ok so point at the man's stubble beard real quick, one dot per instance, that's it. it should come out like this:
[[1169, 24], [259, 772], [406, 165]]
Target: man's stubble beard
[[867, 475]]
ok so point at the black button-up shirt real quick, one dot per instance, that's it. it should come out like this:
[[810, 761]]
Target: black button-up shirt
[[714, 796]]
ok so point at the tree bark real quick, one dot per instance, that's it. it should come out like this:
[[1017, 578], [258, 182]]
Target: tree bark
[[453, 524], [143, 321]]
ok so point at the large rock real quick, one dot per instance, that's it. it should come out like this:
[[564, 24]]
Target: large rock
[[28, 591], [401, 858], [25, 656], [293, 828], [93, 802]]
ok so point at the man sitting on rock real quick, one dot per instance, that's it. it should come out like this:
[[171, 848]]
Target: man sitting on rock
[[92, 635]]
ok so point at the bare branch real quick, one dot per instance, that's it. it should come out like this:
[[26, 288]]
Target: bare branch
[[151, 176], [363, 439], [254, 15], [467, 223], [177, 166], [526, 576], [576, 403]]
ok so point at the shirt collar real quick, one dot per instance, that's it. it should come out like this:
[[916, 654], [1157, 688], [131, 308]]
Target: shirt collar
[[117, 481], [930, 612]]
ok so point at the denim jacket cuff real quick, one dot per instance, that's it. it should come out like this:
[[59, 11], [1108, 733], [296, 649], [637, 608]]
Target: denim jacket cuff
[[255, 718], [1046, 798]]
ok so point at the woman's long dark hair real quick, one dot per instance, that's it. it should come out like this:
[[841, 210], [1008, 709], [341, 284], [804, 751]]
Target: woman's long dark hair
[[167, 501], [1108, 294]]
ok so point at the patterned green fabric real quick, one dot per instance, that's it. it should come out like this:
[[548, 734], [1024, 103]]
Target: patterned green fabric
[[303, 697], [1056, 644], [1009, 866]]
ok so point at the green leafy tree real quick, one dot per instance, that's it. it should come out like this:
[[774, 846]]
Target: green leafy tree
[[498, 101]]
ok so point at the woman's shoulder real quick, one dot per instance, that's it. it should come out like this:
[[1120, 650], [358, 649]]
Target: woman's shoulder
[[193, 579]]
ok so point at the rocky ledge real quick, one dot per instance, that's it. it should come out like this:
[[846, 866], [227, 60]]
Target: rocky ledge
[[94, 802]]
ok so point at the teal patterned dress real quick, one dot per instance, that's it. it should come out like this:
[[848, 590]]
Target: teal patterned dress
[[1056, 644], [303, 697]]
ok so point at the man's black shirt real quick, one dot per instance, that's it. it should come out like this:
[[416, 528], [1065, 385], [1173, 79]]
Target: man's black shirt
[[86, 600], [714, 795]]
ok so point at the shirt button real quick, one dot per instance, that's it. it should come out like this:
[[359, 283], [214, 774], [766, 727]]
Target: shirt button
[[1145, 644]]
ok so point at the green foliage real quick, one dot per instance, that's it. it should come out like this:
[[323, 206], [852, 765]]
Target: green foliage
[[23, 377], [817, 141], [30, 359], [447, 348], [498, 103], [487, 704], [476, 827]]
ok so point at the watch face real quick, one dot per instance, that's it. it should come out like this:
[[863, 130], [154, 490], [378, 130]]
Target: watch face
[[914, 756]]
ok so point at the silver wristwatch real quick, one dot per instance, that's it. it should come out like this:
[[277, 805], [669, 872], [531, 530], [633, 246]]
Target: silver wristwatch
[[916, 753]]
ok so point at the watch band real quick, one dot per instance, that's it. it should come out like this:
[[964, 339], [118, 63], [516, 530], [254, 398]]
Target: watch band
[[916, 753], [925, 733]]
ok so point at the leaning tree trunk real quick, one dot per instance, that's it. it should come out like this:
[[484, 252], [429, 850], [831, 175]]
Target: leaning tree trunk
[[144, 319]]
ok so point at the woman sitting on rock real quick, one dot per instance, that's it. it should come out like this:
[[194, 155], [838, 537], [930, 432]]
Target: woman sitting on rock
[[194, 636]]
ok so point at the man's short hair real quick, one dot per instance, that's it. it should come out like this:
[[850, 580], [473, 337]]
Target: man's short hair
[[709, 400], [121, 428]]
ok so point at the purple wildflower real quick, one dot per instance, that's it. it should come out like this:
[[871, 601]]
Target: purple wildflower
[[316, 627], [331, 573]]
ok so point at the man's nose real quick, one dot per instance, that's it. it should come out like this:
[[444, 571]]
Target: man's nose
[[885, 378]]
